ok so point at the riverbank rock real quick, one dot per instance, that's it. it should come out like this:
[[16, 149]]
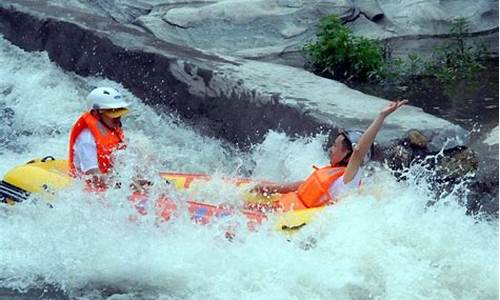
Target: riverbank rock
[[417, 139], [484, 197], [235, 99], [276, 30], [472, 166]]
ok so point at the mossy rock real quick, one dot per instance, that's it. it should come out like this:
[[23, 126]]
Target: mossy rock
[[460, 163], [417, 139]]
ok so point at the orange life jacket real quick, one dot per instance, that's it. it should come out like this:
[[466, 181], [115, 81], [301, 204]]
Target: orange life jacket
[[107, 141], [314, 192]]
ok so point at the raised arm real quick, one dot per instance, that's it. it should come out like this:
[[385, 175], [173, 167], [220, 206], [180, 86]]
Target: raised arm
[[367, 139]]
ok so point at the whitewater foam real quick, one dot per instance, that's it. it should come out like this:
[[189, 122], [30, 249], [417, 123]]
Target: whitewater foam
[[382, 243]]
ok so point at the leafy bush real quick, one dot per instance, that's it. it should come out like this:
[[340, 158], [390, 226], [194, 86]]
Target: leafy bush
[[339, 55], [455, 60]]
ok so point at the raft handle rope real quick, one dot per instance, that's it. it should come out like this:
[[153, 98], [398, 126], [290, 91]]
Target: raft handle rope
[[48, 157], [293, 227]]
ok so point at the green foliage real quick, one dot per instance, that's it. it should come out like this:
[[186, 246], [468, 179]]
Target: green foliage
[[455, 60], [398, 69], [340, 55]]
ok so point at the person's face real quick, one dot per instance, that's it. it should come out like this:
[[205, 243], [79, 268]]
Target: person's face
[[338, 151], [111, 122]]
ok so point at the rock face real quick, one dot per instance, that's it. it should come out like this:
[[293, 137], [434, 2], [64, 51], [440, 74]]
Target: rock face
[[235, 99], [474, 167], [485, 185], [276, 30]]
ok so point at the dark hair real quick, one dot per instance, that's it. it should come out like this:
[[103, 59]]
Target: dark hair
[[345, 143]]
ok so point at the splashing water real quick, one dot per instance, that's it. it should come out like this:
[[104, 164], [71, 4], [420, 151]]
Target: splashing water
[[382, 243]]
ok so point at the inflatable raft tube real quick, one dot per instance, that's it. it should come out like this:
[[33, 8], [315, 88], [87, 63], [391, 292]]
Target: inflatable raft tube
[[43, 177]]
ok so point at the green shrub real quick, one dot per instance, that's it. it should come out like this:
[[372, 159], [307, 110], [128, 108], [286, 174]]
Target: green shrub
[[339, 55], [398, 70], [455, 60]]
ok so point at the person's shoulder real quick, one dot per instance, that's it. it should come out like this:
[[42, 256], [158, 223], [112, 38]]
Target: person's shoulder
[[85, 137], [355, 181]]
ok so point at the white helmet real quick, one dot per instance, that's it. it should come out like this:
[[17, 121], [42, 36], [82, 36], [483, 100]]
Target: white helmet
[[105, 98]]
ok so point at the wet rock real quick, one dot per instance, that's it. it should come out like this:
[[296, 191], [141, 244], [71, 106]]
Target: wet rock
[[251, 29], [398, 157], [458, 163], [492, 137], [471, 171], [444, 140], [260, 29], [484, 185], [225, 97], [417, 139], [370, 8], [484, 199], [403, 152], [290, 3]]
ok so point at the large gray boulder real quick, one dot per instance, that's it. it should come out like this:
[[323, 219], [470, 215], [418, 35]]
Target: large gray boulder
[[277, 30], [235, 99]]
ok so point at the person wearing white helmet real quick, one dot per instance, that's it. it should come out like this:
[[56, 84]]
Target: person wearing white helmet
[[96, 135], [325, 185]]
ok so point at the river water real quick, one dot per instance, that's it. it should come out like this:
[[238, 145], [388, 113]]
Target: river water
[[471, 103], [381, 243]]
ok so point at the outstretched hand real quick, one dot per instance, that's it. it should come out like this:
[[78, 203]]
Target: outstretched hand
[[392, 107]]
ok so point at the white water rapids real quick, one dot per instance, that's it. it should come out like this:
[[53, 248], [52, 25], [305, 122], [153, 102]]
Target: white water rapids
[[383, 243]]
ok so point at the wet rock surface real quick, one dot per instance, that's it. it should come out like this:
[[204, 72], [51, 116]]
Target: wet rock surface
[[473, 167], [276, 30], [234, 99], [485, 187]]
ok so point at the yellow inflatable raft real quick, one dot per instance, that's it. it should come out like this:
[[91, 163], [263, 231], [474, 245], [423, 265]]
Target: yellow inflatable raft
[[44, 177]]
